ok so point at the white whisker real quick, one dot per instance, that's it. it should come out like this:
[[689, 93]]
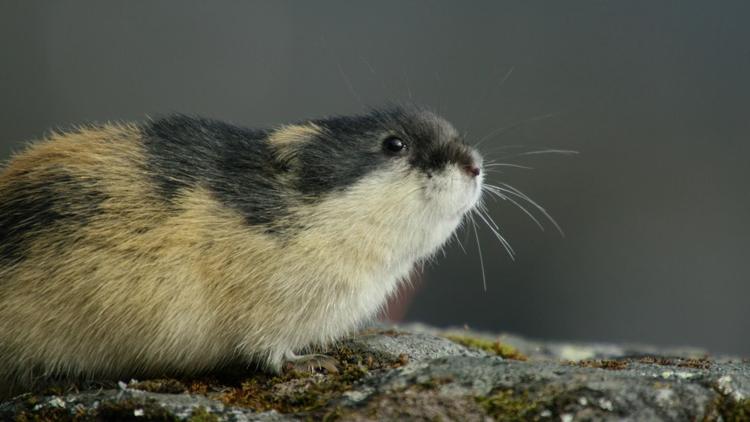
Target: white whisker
[[518, 166], [461, 245], [521, 207], [513, 191], [499, 237], [504, 129], [482, 208], [479, 248], [549, 151]]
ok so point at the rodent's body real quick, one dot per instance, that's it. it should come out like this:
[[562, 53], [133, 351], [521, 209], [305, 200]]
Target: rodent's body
[[183, 244]]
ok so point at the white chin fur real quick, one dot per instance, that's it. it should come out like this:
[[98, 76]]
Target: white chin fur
[[372, 235], [453, 193]]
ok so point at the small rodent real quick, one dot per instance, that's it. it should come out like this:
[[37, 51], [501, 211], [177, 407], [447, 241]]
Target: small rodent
[[181, 244]]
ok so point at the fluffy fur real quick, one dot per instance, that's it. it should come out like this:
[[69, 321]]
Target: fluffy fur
[[182, 244]]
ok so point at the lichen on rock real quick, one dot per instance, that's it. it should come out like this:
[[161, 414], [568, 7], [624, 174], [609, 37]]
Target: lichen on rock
[[422, 373]]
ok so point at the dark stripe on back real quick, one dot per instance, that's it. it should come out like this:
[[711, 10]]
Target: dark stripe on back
[[30, 205], [234, 163]]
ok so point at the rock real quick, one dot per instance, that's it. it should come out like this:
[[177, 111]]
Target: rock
[[419, 372]]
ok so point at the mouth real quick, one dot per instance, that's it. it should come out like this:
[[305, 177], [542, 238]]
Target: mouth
[[456, 192], [473, 199], [477, 186]]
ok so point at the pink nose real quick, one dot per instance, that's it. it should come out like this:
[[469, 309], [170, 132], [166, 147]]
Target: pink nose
[[472, 170]]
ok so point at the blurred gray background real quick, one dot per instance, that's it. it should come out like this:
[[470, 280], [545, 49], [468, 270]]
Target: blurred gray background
[[654, 96]]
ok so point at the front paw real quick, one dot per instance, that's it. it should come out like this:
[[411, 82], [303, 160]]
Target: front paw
[[310, 363]]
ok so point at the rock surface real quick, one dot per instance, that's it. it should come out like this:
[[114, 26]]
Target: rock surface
[[421, 373]]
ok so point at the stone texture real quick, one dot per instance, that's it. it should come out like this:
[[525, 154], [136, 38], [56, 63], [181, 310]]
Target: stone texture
[[417, 373]]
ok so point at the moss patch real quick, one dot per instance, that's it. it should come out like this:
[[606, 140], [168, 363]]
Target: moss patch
[[390, 332], [725, 408], [312, 395], [507, 405], [164, 386], [620, 364], [294, 392], [695, 363], [493, 347], [201, 414], [542, 405], [734, 411], [613, 365], [415, 404], [43, 415]]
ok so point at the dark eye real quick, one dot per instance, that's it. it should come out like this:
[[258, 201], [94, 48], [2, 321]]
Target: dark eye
[[394, 145]]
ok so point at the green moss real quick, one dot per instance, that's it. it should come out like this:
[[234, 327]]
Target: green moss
[[728, 410], [433, 383], [43, 415], [610, 364], [164, 386], [545, 404], [695, 363], [201, 414], [390, 332], [311, 395], [304, 393], [619, 364], [507, 405], [737, 411], [494, 347], [332, 415]]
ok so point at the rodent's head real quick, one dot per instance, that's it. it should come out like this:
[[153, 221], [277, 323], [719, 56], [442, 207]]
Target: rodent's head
[[405, 163]]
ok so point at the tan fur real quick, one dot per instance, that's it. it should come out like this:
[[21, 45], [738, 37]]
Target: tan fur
[[286, 137], [290, 134], [142, 290]]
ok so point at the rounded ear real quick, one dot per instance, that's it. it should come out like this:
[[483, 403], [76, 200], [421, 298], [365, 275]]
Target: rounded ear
[[287, 140]]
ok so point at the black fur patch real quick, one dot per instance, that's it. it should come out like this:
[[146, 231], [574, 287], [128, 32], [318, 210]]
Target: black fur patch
[[241, 168], [433, 143], [348, 149], [235, 163], [352, 146], [31, 205]]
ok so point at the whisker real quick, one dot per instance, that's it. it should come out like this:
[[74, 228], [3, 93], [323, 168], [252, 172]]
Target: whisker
[[348, 83], [487, 215], [483, 209], [343, 74], [504, 129], [518, 166], [507, 75], [508, 146], [493, 171], [455, 236], [509, 155], [550, 151], [521, 207], [495, 196], [499, 237], [374, 74], [487, 92], [514, 191], [479, 248]]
